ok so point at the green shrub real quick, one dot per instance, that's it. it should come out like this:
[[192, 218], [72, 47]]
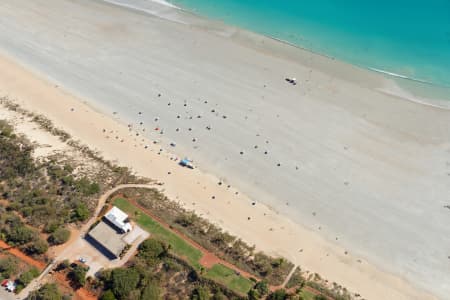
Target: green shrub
[[6, 130], [39, 246], [219, 296], [200, 293], [78, 275], [108, 295], [81, 212], [262, 287], [59, 236], [19, 287], [152, 248], [26, 277], [123, 281], [8, 266], [51, 227], [151, 292], [253, 295], [19, 235], [278, 295], [86, 187], [48, 291], [15, 158]]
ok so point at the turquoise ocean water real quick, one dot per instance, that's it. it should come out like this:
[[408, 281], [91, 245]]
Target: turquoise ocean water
[[409, 38]]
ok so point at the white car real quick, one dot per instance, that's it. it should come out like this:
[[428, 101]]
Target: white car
[[82, 260]]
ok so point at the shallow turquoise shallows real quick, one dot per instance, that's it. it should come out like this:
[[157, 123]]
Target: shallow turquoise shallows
[[408, 38]]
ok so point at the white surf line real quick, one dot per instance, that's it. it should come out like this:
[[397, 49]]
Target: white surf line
[[129, 3], [400, 76]]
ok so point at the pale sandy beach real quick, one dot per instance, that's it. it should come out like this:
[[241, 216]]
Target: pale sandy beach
[[350, 181]]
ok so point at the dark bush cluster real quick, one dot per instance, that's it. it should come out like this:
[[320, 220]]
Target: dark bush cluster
[[155, 274], [48, 291], [16, 233]]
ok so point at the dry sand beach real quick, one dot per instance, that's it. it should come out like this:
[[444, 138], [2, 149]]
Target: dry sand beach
[[348, 181]]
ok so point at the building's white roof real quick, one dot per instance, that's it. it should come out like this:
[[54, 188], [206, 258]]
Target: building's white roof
[[118, 218]]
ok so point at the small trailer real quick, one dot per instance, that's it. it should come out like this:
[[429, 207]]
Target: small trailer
[[11, 286]]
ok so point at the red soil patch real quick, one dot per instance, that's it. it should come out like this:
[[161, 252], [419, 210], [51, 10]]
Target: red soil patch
[[208, 260], [83, 294], [22, 256], [79, 294]]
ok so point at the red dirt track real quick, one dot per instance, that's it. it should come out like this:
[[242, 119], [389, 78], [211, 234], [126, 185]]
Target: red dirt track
[[22, 256]]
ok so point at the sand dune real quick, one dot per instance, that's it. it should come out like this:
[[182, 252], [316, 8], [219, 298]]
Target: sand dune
[[352, 168]]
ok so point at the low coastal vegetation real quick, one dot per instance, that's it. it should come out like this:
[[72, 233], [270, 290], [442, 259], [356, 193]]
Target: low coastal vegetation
[[41, 198], [210, 236], [154, 273], [313, 281], [48, 291]]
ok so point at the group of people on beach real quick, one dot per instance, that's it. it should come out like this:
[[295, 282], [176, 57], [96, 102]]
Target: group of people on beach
[[138, 130]]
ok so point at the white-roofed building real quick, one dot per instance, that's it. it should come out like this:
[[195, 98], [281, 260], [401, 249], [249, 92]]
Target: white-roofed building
[[119, 219]]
